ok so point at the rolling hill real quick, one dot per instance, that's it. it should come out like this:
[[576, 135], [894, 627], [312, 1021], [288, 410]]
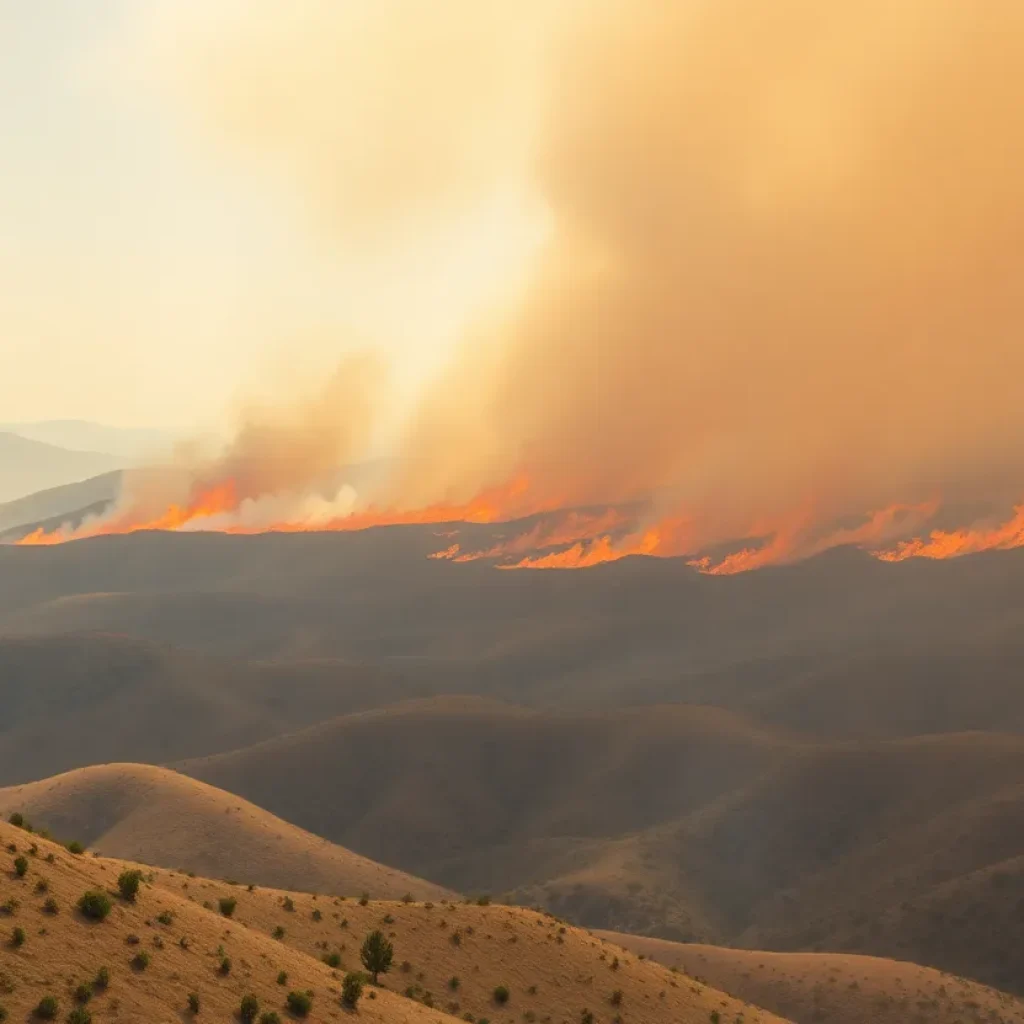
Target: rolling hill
[[28, 466], [155, 816], [551, 971], [842, 989], [71, 501], [76, 700]]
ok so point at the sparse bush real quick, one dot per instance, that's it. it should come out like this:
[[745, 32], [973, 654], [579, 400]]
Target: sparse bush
[[282, 978], [288, 903], [132, 939], [278, 932], [75, 847], [18, 937], [102, 979], [501, 995], [10, 906], [453, 983], [165, 917], [376, 954], [46, 1008], [42, 885], [586, 1017], [184, 942], [225, 965], [351, 989], [332, 959], [407, 898], [17, 819], [141, 960], [483, 900], [21, 866], [364, 899], [226, 905], [83, 992], [316, 915], [193, 1003], [616, 997], [128, 883], [299, 1003], [79, 1015], [3, 1014], [94, 904], [270, 1017], [715, 1017], [249, 1008]]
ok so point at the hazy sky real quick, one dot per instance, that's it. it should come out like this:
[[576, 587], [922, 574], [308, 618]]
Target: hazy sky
[[155, 269]]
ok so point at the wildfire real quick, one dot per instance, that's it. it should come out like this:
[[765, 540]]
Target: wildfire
[[572, 539], [952, 543]]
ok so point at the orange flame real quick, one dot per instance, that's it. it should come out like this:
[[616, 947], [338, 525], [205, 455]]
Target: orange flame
[[953, 543]]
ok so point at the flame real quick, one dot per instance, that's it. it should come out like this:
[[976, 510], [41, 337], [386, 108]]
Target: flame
[[570, 528], [954, 543]]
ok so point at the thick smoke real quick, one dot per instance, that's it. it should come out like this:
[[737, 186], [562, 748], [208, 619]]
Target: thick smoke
[[781, 292], [785, 269]]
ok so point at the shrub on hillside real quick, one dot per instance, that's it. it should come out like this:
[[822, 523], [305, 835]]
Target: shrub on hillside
[[270, 1017], [75, 847], [83, 992], [17, 819], [282, 978], [193, 1003], [128, 883], [50, 906], [377, 954], [249, 1009], [225, 965], [102, 979], [94, 904], [227, 905], [18, 937], [332, 959], [46, 1008], [501, 995], [20, 866], [140, 961], [299, 1003], [351, 989], [79, 1015]]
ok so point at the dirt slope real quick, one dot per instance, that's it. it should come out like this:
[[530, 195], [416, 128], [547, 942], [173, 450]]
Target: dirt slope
[[571, 969], [834, 987], [63, 949], [553, 971], [156, 816]]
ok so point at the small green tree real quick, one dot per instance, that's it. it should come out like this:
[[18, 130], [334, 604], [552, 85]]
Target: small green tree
[[249, 1009], [128, 883], [94, 904], [75, 847], [501, 995], [299, 1003], [377, 954], [227, 905], [46, 1008], [351, 989], [20, 866]]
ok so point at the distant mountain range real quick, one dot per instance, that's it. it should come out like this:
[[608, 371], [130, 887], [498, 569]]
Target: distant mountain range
[[128, 443]]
